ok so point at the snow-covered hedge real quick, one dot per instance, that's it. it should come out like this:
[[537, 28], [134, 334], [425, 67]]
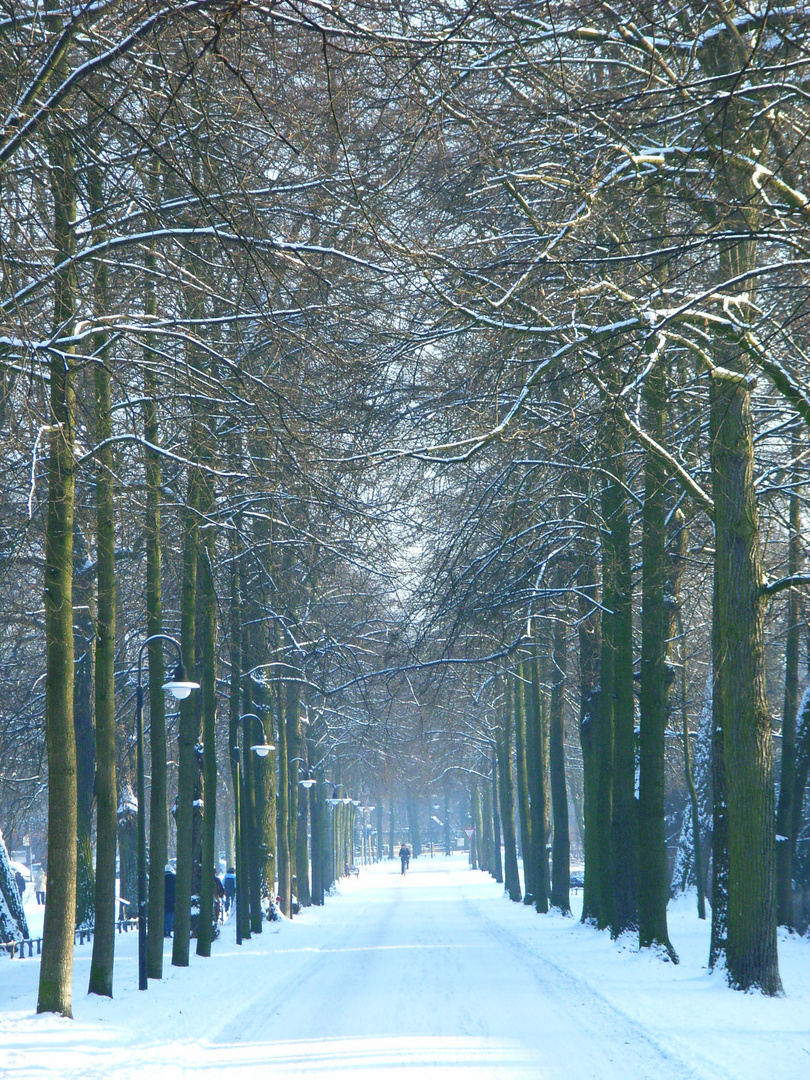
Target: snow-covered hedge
[[13, 926]]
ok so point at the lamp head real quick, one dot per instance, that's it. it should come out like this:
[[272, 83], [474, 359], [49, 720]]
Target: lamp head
[[307, 783], [179, 684], [262, 749]]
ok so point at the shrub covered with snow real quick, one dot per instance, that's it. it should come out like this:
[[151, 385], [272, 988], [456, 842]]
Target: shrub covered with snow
[[13, 926]]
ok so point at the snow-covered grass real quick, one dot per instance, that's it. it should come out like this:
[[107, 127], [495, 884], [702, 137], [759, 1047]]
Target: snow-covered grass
[[403, 973], [683, 1007]]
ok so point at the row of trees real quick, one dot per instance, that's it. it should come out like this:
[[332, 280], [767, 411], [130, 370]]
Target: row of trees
[[344, 344]]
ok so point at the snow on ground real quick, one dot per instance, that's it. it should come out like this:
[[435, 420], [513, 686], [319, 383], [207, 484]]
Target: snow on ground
[[432, 975]]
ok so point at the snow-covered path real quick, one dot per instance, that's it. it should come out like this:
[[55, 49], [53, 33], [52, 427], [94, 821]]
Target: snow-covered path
[[419, 981], [434, 975]]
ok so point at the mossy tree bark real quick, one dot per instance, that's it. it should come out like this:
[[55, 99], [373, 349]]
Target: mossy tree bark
[[264, 773], [560, 845], [539, 802], [127, 829], [158, 750], [719, 884], [743, 720], [294, 755], [589, 628], [101, 968], [235, 753], [497, 872], [678, 551], [188, 733], [254, 774], [283, 802], [519, 701], [56, 968], [380, 832], [785, 836], [84, 642], [317, 835], [208, 684], [478, 860], [507, 795], [413, 824], [653, 889], [607, 674], [302, 866], [624, 833], [751, 956], [487, 849]]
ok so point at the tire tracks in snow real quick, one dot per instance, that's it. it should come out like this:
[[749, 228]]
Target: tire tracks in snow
[[601, 1015]]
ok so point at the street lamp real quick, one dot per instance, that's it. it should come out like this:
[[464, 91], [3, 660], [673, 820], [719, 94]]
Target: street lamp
[[261, 750], [180, 687]]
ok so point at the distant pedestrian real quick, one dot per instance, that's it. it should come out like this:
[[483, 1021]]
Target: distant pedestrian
[[168, 911], [18, 877], [40, 882], [404, 857], [219, 900], [229, 885]]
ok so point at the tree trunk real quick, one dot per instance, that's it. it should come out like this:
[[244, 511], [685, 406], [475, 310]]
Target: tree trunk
[[496, 824], [537, 748], [519, 699], [785, 838], [743, 719], [101, 968], [624, 837], [127, 824], [316, 831], [255, 772], [561, 849], [719, 931], [506, 790], [697, 839], [478, 861], [653, 885], [187, 764], [590, 643], [84, 633], [56, 968], [607, 669], [413, 826], [158, 750], [302, 829], [294, 762], [751, 956], [208, 671], [283, 804]]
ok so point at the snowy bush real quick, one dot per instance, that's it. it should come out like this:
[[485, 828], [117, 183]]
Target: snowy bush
[[13, 926]]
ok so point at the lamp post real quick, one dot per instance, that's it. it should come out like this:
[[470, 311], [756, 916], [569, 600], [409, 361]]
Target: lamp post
[[261, 749], [237, 800], [180, 687]]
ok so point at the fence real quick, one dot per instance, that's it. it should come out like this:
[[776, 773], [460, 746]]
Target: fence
[[80, 935]]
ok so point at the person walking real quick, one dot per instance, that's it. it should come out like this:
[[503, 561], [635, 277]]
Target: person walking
[[219, 902], [168, 911], [404, 857], [229, 884], [40, 882]]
